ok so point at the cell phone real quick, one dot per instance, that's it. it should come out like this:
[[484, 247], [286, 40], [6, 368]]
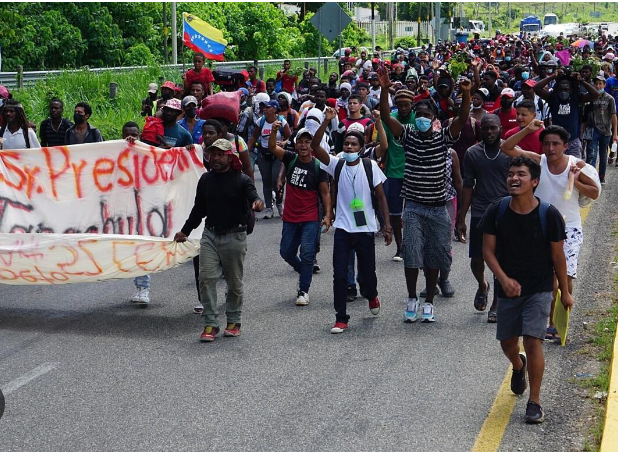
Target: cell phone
[[359, 218]]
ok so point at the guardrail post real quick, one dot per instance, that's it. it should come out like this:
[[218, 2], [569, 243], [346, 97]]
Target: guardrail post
[[306, 65], [161, 81], [326, 67], [20, 76], [261, 70], [113, 90]]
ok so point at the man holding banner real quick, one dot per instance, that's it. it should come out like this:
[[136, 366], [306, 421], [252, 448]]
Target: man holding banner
[[223, 196]]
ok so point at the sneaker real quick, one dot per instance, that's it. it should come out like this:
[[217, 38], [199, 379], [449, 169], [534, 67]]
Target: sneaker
[[198, 309], [232, 330], [410, 314], [302, 299], [428, 315], [316, 267], [280, 210], [518, 379], [352, 293], [424, 292], [398, 257], [141, 296], [374, 305], [446, 288], [268, 213], [209, 334], [339, 327], [602, 180], [534, 413]]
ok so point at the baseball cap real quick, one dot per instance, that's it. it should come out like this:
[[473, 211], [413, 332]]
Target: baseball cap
[[169, 84], [223, 145], [346, 85], [484, 92], [174, 104], [261, 98], [358, 127], [188, 100], [243, 92], [153, 88], [4, 92], [599, 77], [507, 92], [609, 56], [303, 131], [375, 60], [530, 83], [271, 103]]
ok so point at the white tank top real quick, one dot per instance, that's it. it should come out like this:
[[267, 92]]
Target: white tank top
[[551, 190]]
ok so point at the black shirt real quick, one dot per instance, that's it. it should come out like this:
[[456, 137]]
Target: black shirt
[[53, 137], [521, 249], [223, 198]]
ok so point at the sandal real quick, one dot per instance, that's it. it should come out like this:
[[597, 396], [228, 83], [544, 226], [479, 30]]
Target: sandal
[[552, 334], [492, 317], [480, 299]]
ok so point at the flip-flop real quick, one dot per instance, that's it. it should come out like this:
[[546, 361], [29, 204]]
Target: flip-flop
[[480, 299], [492, 317], [552, 334]]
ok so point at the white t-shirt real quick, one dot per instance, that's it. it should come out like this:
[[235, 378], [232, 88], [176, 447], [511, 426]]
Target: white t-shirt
[[267, 127], [17, 141], [353, 180]]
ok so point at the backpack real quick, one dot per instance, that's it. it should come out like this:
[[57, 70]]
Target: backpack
[[543, 208], [26, 135], [368, 172], [293, 162]]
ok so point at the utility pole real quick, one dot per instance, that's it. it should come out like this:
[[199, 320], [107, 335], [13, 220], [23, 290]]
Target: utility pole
[[418, 39], [174, 36], [489, 19], [165, 51], [389, 12], [508, 5], [373, 26], [438, 23]]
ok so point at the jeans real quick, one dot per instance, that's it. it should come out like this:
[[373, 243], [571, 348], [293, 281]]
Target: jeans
[[598, 148], [142, 282], [222, 253], [253, 156], [364, 246], [305, 236], [269, 169]]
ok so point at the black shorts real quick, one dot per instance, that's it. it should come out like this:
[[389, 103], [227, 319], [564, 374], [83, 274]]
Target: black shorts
[[475, 239]]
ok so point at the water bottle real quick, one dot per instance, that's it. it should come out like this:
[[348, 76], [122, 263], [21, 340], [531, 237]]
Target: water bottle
[[613, 148]]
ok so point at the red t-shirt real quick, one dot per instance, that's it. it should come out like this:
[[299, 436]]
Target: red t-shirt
[[508, 120], [287, 81], [258, 85], [490, 106], [204, 76], [424, 95], [302, 188], [530, 143]]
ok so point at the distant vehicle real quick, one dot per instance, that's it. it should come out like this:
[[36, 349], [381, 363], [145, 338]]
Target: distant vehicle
[[476, 26], [550, 19], [556, 30], [530, 24]]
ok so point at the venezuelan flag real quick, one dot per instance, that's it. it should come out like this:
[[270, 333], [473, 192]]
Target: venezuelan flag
[[202, 37]]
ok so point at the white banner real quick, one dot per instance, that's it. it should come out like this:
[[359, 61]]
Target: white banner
[[41, 259], [95, 189]]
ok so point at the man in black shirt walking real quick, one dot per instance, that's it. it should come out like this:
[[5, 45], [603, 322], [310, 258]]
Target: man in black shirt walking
[[523, 246], [223, 196], [54, 128]]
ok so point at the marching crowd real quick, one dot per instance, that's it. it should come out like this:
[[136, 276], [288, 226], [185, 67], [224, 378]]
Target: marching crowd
[[511, 129]]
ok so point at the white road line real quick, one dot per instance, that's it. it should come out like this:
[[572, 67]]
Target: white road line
[[29, 376]]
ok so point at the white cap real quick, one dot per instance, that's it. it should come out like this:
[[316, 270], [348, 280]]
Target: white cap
[[153, 88], [358, 127], [261, 98], [189, 100]]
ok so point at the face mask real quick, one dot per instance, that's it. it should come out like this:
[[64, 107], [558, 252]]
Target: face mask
[[499, 52], [550, 71], [350, 157], [190, 113], [563, 95], [423, 124], [525, 75], [475, 107], [243, 105], [78, 118], [602, 90], [507, 58]]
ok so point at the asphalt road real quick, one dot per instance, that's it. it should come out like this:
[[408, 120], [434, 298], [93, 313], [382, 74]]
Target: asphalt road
[[87, 370]]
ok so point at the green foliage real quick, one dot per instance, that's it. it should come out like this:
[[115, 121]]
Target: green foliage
[[405, 42], [139, 55]]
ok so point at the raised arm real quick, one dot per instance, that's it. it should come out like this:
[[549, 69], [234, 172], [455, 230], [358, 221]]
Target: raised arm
[[539, 88], [592, 91], [510, 148], [381, 149], [385, 109], [464, 111], [275, 149], [320, 153]]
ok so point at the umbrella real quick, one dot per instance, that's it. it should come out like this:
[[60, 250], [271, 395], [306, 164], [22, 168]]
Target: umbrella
[[583, 43]]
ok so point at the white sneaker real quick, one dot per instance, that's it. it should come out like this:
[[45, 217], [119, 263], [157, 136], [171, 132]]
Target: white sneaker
[[280, 210], [141, 296], [302, 299], [198, 309], [410, 314], [428, 315], [268, 213]]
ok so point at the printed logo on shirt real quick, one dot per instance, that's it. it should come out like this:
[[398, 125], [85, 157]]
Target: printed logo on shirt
[[298, 177], [564, 109], [170, 140]]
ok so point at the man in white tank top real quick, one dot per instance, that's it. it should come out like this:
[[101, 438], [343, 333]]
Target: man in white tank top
[[561, 184]]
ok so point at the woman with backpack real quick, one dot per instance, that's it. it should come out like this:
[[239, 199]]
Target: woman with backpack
[[267, 163]]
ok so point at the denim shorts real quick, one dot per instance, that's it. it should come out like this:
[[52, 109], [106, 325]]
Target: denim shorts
[[526, 315], [392, 190], [426, 237]]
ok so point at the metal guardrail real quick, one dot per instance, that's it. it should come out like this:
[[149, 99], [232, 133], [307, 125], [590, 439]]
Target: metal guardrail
[[10, 79]]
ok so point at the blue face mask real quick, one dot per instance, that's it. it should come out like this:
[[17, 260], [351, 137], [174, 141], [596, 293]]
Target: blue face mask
[[350, 157], [525, 75], [507, 58], [423, 124]]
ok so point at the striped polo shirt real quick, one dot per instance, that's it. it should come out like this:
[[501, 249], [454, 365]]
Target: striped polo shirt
[[424, 179]]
